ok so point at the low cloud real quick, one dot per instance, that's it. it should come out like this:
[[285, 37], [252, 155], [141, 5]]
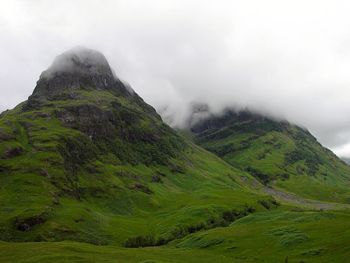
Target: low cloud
[[288, 59], [76, 60]]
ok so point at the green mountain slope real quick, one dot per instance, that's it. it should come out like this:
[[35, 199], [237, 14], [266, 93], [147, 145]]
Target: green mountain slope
[[90, 173], [277, 153], [86, 159]]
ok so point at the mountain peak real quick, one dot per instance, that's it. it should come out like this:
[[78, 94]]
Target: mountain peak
[[79, 68], [79, 60]]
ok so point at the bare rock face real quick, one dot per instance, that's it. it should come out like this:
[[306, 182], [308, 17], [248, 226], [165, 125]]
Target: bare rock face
[[91, 120], [78, 68]]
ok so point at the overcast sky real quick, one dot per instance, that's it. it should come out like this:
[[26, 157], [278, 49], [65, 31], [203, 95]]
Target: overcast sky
[[290, 59]]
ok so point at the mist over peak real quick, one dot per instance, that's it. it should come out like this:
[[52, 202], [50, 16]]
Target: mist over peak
[[79, 60], [77, 69], [197, 112]]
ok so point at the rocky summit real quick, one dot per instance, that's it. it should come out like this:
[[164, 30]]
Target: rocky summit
[[78, 68]]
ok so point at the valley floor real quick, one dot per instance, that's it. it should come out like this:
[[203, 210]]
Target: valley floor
[[280, 235], [293, 199]]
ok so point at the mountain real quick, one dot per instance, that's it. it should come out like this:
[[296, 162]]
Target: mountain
[[86, 159], [89, 172], [346, 160], [276, 152]]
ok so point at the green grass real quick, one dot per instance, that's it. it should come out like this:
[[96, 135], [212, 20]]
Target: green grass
[[79, 252], [303, 236], [272, 237]]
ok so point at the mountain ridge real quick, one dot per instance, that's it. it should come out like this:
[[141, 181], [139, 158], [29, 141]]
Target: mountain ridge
[[276, 152]]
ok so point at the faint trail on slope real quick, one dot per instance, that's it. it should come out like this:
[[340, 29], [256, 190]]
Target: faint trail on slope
[[307, 203]]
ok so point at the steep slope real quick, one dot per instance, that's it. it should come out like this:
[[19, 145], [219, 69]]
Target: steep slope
[[86, 159], [275, 152]]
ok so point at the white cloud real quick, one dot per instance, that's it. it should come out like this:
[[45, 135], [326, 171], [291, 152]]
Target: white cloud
[[287, 58]]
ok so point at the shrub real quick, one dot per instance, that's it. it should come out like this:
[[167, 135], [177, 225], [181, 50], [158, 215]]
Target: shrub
[[222, 220], [140, 241], [268, 203], [264, 178]]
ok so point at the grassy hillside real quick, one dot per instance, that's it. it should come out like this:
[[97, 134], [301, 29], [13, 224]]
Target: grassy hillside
[[277, 153], [277, 236], [103, 168]]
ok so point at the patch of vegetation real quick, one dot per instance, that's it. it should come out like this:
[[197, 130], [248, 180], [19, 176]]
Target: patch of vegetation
[[223, 220], [289, 236], [268, 203], [264, 178]]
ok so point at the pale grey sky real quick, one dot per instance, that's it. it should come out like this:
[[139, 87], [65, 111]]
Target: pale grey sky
[[290, 59]]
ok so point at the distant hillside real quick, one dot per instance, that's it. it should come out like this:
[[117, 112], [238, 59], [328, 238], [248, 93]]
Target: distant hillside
[[277, 153], [345, 159]]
